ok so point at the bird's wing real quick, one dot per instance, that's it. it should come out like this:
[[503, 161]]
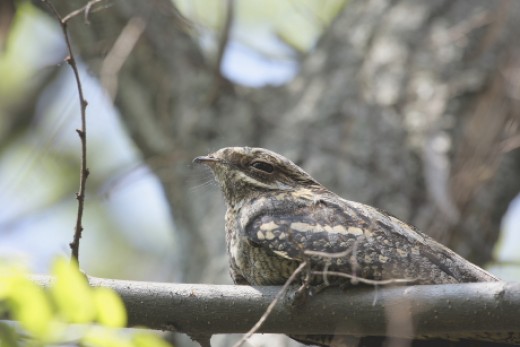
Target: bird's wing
[[349, 237], [293, 231]]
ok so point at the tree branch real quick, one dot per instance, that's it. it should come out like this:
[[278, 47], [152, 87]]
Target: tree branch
[[361, 311], [84, 171]]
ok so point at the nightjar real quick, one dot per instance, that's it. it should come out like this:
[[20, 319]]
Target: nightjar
[[279, 216]]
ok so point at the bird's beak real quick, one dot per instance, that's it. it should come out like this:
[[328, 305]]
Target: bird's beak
[[206, 159]]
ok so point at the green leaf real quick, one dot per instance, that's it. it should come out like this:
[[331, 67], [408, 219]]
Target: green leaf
[[9, 276], [8, 336], [25, 301], [111, 311], [71, 293], [30, 305]]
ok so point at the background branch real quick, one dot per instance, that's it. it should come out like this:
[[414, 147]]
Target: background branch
[[215, 309], [84, 172]]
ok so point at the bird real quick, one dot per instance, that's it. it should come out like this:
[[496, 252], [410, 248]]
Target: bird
[[278, 216]]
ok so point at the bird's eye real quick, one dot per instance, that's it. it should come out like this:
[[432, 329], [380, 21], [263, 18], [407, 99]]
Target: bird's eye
[[263, 166]]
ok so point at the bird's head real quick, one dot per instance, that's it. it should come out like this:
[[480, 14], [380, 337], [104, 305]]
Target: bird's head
[[243, 172]]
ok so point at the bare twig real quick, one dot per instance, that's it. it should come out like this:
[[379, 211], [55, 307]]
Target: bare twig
[[119, 54], [218, 77], [84, 172], [325, 273], [224, 37], [348, 252], [87, 9], [365, 280], [343, 254], [271, 306]]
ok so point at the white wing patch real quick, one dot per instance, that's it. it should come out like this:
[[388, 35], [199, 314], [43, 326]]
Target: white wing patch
[[336, 229]]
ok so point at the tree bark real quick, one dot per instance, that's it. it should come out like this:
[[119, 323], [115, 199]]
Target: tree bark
[[433, 310]]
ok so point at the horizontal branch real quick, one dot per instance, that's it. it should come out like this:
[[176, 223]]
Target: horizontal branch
[[435, 310]]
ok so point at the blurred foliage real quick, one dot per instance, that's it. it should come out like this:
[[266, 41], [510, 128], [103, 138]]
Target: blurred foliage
[[44, 316], [39, 165], [16, 70]]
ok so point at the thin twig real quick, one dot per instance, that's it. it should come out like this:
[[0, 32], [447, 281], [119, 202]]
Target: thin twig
[[84, 172], [224, 37], [365, 280], [86, 9], [271, 306], [218, 77], [326, 255], [353, 261], [119, 53]]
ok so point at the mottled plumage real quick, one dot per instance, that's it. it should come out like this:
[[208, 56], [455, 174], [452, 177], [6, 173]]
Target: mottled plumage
[[277, 213]]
